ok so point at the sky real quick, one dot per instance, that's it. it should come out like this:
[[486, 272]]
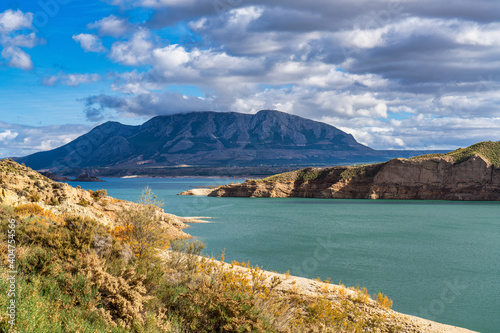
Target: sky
[[397, 74]]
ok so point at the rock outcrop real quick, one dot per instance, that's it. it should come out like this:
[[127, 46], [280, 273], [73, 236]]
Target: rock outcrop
[[197, 191], [432, 178], [85, 177]]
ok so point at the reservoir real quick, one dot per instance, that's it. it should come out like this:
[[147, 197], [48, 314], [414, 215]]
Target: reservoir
[[435, 259]]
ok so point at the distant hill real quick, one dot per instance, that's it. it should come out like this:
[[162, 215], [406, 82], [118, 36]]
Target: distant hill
[[489, 150], [208, 139]]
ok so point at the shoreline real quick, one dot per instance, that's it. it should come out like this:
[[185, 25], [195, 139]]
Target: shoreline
[[307, 288]]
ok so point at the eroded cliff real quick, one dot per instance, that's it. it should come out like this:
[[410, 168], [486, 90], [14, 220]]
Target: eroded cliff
[[465, 174]]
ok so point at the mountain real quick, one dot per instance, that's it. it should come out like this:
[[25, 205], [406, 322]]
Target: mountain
[[206, 139], [471, 173]]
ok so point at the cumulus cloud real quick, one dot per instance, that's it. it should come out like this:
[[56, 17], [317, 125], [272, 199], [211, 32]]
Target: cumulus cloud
[[15, 35], [8, 135], [11, 20], [17, 57], [383, 70], [89, 43], [146, 104], [19, 140], [135, 51], [111, 26]]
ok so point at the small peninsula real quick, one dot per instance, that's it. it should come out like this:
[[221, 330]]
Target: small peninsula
[[470, 173]]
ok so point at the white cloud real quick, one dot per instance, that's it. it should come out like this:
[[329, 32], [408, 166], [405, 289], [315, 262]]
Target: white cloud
[[171, 57], [13, 37], [364, 39], [474, 34], [8, 135], [15, 20], [17, 58], [136, 51], [89, 43], [19, 140], [111, 26], [27, 41], [72, 80]]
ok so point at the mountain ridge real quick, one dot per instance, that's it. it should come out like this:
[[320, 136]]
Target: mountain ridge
[[207, 139]]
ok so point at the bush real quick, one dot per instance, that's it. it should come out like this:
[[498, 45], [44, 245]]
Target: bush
[[97, 195], [141, 226], [54, 201], [83, 203], [27, 209], [383, 301], [35, 197]]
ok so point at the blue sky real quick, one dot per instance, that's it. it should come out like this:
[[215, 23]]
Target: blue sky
[[396, 74]]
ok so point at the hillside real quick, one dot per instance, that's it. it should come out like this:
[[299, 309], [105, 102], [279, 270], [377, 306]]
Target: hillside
[[465, 174], [79, 268], [21, 186], [171, 145]]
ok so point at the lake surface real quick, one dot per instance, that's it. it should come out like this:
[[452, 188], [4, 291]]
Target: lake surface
[[436, 259]]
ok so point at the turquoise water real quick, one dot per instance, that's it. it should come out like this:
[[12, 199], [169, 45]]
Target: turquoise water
[[436, 259]]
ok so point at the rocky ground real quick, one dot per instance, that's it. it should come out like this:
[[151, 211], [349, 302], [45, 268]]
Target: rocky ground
[[20, 185]]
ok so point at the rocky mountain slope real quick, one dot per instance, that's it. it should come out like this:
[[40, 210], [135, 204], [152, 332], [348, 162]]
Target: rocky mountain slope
[[207, 139], [465, 174]]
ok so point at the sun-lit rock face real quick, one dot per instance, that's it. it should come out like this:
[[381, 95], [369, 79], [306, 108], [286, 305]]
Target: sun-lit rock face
[[435, 178]]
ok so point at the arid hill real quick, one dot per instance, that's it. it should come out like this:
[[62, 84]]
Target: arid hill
[[465, 174], [20, 185]]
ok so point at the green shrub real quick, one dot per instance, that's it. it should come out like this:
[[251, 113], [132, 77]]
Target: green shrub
[[35, 197], [141, 226], [352, 172], [98, 194], [83, 203]]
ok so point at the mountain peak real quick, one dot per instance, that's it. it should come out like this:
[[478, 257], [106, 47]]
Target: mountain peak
[[268, 137]]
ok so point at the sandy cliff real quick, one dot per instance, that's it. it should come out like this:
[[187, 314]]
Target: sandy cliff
[[431, 178]]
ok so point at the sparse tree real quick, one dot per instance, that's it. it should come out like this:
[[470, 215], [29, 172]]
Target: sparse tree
[[141, 226]]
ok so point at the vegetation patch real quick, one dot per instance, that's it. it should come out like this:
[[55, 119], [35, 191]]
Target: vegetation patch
[[83, 202], [77, 275], [99, 194], [352, 172], [489, 150], [427, 156]]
